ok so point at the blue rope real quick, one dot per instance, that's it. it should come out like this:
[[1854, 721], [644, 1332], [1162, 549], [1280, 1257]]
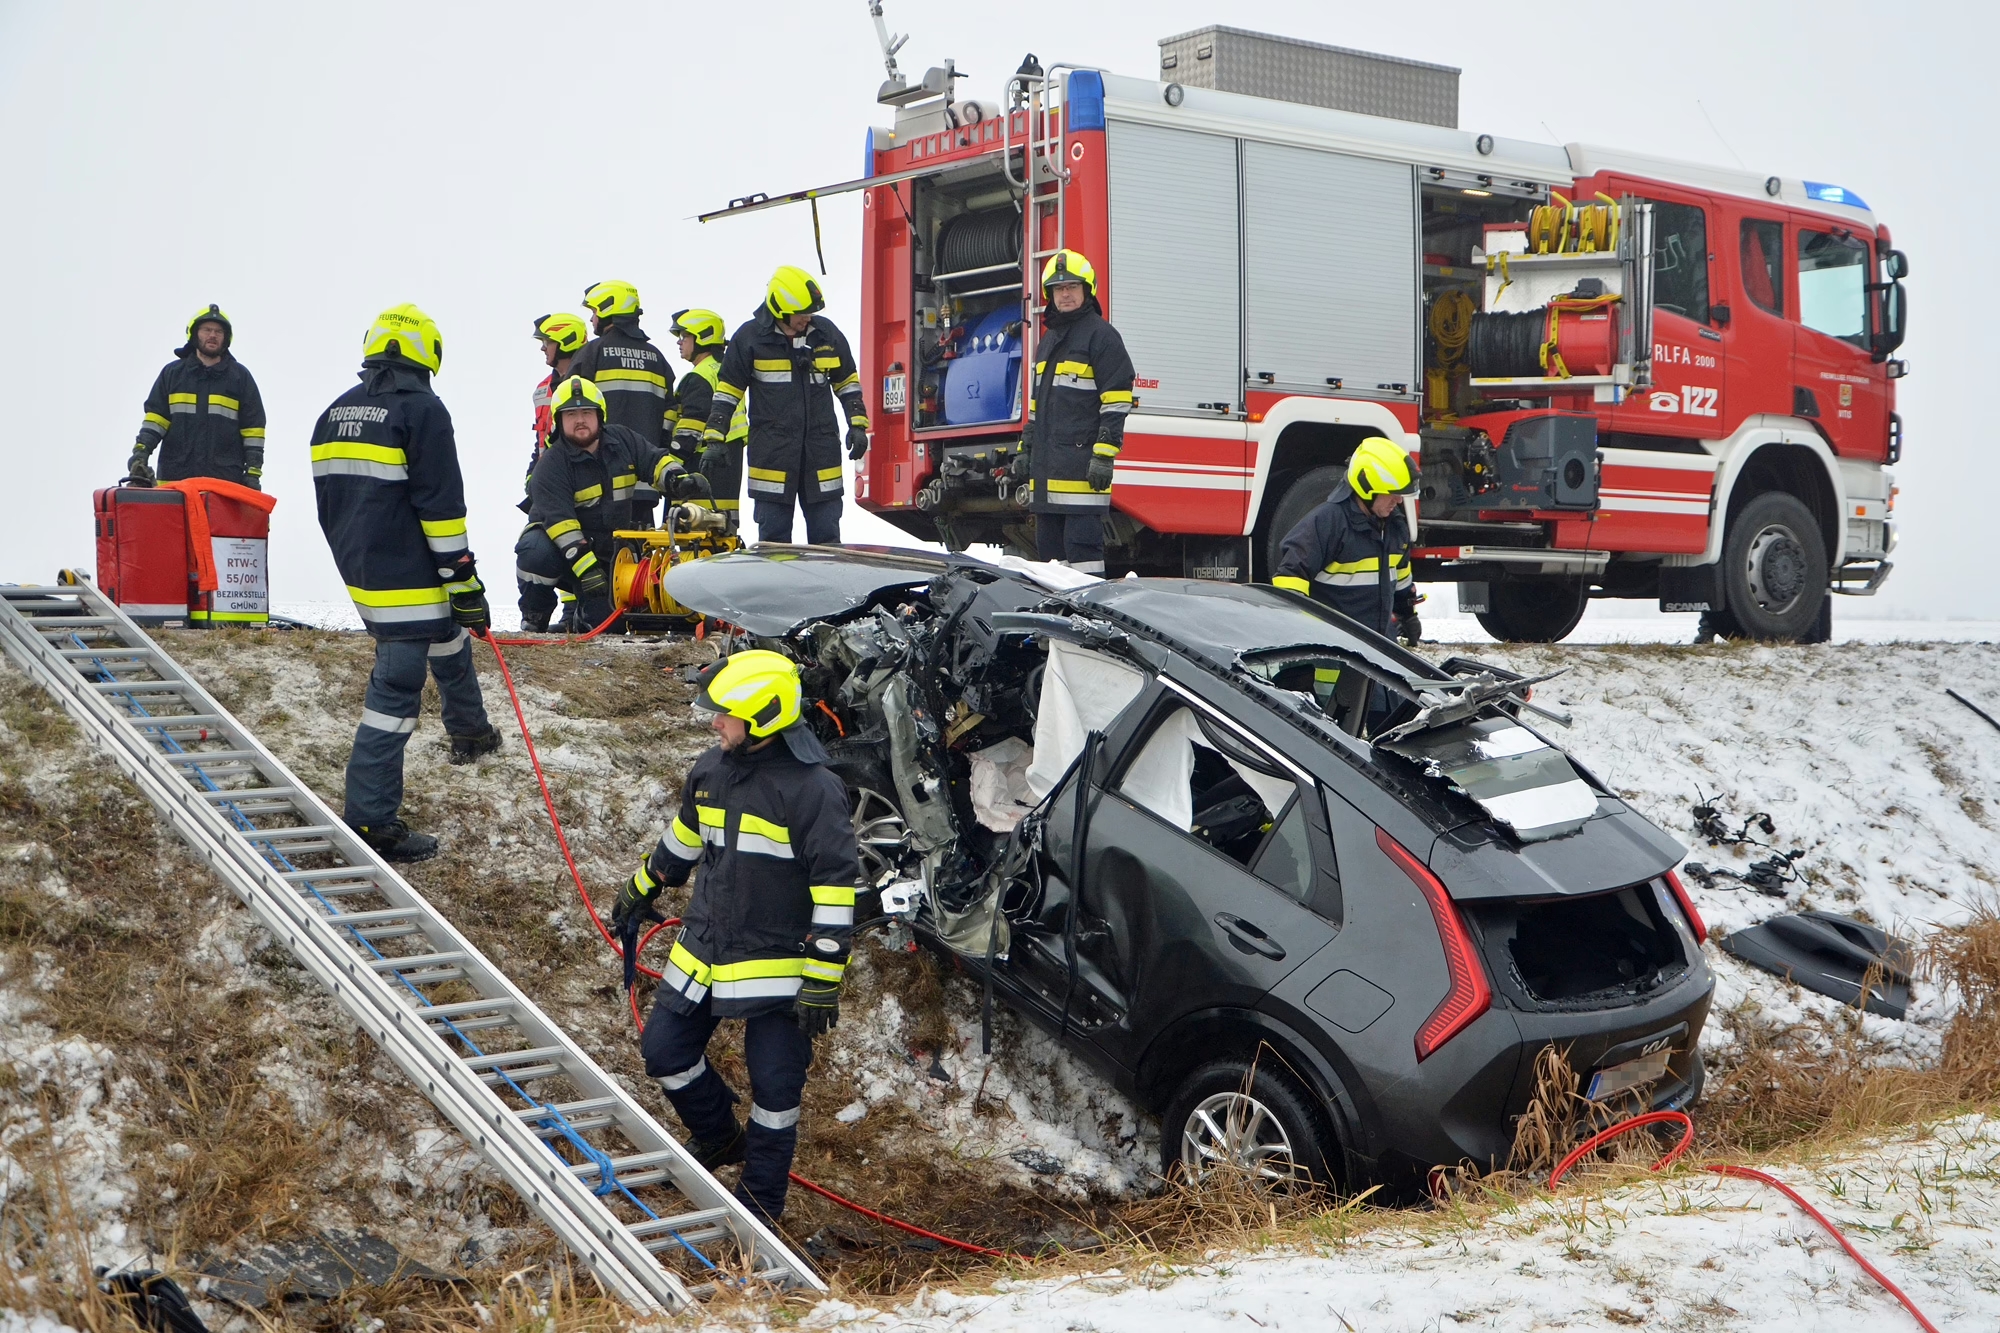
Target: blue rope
[[550, 1117]]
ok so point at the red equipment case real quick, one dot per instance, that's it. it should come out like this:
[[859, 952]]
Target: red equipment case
[[239, 535], [142, 552]]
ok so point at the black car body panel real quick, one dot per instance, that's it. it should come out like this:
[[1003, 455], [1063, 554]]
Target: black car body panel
[[1232, 893]]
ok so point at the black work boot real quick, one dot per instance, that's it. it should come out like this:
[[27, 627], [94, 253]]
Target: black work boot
[[393, 840], [465, 749], [718, 1153], [535, 624]]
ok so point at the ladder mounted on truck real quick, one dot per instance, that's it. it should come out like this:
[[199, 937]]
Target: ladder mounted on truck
[[625, 1196]]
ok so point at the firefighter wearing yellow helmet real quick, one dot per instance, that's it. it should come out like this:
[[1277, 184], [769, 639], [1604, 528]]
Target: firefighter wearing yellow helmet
[[635, 376], [795, 370], [204, 414], [1353, 552], [1082, 393], [765, 936], [392, 504], [703, 336]]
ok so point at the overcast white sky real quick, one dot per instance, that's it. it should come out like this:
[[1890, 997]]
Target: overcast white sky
[[306, 165]]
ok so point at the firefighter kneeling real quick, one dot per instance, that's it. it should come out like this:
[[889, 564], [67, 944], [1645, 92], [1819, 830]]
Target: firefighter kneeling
[[766, 936]]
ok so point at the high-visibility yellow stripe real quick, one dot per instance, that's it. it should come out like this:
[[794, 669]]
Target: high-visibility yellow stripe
[[829, 473], [683, 958], [762, 363], [847, 384], [1370, 565], [220, 401], [397, 596], [752, 968], [766, 474], [155, 419], [643, 376], [180, 398], [369, 453], [826, 363], [714, 816], [1083, 368], [684, 835], [1292, 583], [253, 432], [1103, 450], [1056, 485], [444, 527], [833, 895], [588, 493], [1115, 396], [821, 970], [557, 531], [764, 827], [730, 391]]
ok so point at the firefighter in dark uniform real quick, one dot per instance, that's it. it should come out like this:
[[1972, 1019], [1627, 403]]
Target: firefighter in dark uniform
[[204, 414], [392, 504], [766, 935], [1353, 552], [636, 379], [581, 493], [1083, 392], [561, 337], [702, 337], [797, 372]]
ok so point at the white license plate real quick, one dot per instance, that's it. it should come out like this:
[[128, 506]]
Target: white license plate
[[893, 393], [1632, 1074]]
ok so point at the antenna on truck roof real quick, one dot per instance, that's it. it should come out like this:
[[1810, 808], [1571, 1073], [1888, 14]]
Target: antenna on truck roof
[[937, 82]]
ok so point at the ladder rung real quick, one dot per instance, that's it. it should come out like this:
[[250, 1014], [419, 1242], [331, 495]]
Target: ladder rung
[[306, 832], [98, 654], [640, 1162], [176, 720], [137, 686], [69, 622], [680, 1222], [304, 877], [580, 1123], [504, 1059], [248, 794], [569, 1110], [410, 962], [375, 917], [432, 1013], [521, 1074], [212, 757], [694, 1236], [458, 1025], [340, 890], [373, 933]]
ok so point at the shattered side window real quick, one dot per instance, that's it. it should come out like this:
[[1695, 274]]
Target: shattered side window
[[1233, 806]]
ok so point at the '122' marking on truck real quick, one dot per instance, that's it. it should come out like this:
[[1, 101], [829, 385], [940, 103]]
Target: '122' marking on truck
[[1693, 400]]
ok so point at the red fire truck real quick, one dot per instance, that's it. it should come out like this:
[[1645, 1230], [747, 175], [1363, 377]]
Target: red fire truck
[[1625, 376]]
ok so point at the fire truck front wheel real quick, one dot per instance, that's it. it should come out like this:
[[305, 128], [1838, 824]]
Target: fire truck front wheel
[[1774, 568], [1534, 610]]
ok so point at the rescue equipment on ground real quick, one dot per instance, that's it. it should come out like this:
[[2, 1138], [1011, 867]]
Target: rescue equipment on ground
[[687, 532], [142, 552], [192, 551]]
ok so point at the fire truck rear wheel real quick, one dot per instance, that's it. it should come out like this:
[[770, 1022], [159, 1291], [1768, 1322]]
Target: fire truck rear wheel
[[1535, 610], [1303, 495], [1774, 568]]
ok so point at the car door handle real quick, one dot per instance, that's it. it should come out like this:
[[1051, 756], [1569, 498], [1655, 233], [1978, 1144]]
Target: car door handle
[[1247, 937]]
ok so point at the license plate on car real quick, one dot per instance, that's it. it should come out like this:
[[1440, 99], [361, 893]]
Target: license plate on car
[[1632, 1074]]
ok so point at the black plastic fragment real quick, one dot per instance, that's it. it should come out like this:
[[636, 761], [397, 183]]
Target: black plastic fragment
[[1831, 955], [316, 1268]]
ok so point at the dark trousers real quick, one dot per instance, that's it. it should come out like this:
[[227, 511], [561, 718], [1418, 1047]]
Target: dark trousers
[[540, 570], [1077, 538], [389, 715], [774, 521], [676, 1051]]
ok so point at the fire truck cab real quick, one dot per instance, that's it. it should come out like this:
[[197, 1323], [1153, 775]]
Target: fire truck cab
[[1624, 376]]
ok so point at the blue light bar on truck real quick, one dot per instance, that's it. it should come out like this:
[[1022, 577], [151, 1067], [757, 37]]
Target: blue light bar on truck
[[1832, 194]]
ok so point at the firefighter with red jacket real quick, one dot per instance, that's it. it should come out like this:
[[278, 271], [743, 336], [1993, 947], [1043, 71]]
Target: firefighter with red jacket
[[392, 505], [1082, 394], [635, 377], [580, 493], [765, 937], [204, 414], [1353, 552], [800, 379], [561, 337]]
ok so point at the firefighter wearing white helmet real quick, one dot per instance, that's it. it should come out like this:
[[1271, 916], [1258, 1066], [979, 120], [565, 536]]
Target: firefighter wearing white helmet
[[636, 377], [766, 935], [1082, 394], [800, 379], [1353, 552]]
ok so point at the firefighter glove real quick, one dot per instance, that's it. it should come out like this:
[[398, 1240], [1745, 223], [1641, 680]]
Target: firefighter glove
[[1099, 475], [139, 470], [467, 593], [857, 442], [636, 901], [684, 485], [1410, 629], [254, 480], [591, 584], [818, 1006]]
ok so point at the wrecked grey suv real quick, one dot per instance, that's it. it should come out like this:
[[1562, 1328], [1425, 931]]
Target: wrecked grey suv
[[1310, 949]]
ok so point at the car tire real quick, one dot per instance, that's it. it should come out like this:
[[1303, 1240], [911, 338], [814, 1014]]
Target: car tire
[[1303, 494], [1774, 569], [1534, 611], [1279, 1127]]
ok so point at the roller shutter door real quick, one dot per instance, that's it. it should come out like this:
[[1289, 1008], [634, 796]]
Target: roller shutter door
[[1330, 251], [1175, 281]]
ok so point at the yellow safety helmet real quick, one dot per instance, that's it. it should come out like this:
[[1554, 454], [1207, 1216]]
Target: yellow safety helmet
[[568, 332], [759, 686], [1069, 266], [793, 291], [704, 326], [1381, 467], [611, 299], [408, 332], [576, 394], [214, 312]]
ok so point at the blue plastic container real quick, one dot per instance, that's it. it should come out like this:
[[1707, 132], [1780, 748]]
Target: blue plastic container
[[983, 383]]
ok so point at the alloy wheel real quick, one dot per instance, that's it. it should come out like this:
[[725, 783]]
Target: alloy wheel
[[1236, 1131], [882, 838]]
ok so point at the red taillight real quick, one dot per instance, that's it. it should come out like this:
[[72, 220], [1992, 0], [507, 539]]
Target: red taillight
[[1687, 905], [1470, 995]]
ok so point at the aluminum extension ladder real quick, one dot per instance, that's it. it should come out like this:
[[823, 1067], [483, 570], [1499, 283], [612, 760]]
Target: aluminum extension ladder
[[581, 1152]]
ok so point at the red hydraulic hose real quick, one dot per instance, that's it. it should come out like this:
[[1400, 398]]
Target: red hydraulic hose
[[632, 995], [1596, 1141]]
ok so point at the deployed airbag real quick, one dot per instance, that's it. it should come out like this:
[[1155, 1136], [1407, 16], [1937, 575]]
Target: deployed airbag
[[1082, 692]]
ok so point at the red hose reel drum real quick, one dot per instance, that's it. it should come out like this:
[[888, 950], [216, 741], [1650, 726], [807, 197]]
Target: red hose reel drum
[[1581, 337]]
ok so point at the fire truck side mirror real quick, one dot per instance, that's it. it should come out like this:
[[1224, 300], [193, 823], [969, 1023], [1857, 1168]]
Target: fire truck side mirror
[[1897, 265], [1891, 318]]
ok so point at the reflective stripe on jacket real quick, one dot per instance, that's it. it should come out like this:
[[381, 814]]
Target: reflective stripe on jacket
[[1344, 556], [774, 903], [581, 498], [210, 420], [795, 425], [391, 500], [633, 376], [697, 397], [1082, 394]]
